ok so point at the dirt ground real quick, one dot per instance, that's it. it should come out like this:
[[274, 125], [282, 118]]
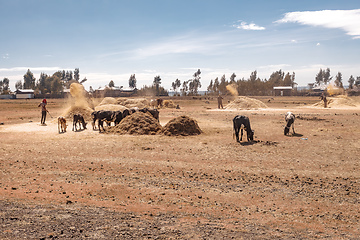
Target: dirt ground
[[89, 185]]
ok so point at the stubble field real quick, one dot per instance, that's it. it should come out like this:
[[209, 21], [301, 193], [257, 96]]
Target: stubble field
[[88, 185]]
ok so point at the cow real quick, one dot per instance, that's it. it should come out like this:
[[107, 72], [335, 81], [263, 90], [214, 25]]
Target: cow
[[78, 119], [155, 103], [240, 121], [117, 116], [102, 116], [125, 113], [94, 118], [153, 112], [289, 118], [61, 124]]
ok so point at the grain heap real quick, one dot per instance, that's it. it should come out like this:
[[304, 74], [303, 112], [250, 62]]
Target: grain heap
[[340, 101], [169, 104], [243, 102], [138, 123], [120, 104], [79, 103], [183, 126]]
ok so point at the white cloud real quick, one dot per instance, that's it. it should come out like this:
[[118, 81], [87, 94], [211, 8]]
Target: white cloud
[[347, 20], [318, 44], [251, 26]]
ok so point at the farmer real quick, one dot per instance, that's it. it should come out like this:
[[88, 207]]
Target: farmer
[[323, 98], [220, 98], [43, 111]]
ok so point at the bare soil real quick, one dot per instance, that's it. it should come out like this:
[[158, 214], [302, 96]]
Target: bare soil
[[89, 185]]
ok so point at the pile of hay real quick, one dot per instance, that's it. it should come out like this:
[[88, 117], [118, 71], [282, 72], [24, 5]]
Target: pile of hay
[[183, 126], [132, 103], [169, 104], [110, 107], [120, 104], [83, 110], [242, 102], [340, 101], [138, 123]]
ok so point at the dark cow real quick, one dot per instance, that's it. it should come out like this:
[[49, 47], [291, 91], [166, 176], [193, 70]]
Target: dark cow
[[153, 112], [117, 117], [125, 113], [102, 116], [94, 118], [289, 118], [78, 119], [240, 121]]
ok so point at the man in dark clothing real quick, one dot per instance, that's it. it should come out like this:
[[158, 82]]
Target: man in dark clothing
[[43, 111]]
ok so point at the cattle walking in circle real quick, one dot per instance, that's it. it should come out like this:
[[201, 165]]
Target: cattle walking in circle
[[61, 124], [78, 120], [289, 118], [241, 122]]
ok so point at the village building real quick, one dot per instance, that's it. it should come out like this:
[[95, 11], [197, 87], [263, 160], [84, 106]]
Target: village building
[[24, 93], [283, 91]]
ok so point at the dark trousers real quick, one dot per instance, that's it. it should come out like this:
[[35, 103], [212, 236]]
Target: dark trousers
[[43, 117]]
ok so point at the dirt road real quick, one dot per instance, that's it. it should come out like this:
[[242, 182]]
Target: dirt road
[[106, 186]]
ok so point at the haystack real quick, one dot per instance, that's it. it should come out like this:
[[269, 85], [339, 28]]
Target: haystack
[[132, 103], [169, 104], [83, 110], [340, 101], [138, 123], [243, 102], [110, 107], [183, 126]]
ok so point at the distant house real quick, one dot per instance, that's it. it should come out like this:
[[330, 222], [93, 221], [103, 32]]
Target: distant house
[[283, 91], [24, 93]]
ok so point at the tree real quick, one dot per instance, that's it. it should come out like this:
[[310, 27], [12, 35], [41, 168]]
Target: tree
[[222, 85], [175, 85], [4, 86], [111, 84], [357, 82], [77, 74], [29, 80], [156, 83], [84, 80], [194, 84], [326, 76], [210, 87], [338, 80], [41, 85], [232, 78], [216, 86], [132, 81], [184, 88], [351, 82], [18, 85]]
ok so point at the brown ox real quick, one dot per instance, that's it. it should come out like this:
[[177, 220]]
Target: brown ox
[[61, 124]]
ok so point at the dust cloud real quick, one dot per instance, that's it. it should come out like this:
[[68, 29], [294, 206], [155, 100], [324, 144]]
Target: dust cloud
[[232, 89], [79, 102]]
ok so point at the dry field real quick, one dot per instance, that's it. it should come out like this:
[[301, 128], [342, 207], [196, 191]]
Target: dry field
[[87, 185]]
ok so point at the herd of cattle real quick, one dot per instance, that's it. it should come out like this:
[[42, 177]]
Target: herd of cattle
[[102, 116], [239, 122]]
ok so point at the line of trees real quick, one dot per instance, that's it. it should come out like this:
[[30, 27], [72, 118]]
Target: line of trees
[[53, 84], [253, 85]]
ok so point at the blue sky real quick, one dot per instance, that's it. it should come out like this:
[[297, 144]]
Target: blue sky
[[112, 39]]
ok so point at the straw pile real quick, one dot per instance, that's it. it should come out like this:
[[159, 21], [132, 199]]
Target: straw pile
[[183, 126], [138, 123], [340, 101], [242, 102]]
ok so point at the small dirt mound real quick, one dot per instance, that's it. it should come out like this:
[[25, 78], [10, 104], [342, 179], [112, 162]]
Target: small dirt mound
[[138, 123], [183, 126], [242, 102]]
